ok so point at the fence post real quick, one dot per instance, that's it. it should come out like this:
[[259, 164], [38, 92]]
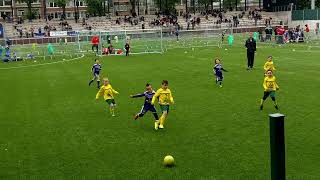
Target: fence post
[[277, 147]]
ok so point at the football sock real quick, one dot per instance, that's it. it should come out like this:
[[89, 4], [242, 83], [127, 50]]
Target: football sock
[[98, 83], [112, 110], [156, 125], [275, 104], [261, 102], [91, 82], [162, 119], [156, 117]]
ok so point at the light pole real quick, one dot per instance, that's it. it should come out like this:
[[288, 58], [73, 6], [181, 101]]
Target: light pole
[[78, 10], [146, 7], [245, 5], [12, 8], [75, 11], [45, 9]]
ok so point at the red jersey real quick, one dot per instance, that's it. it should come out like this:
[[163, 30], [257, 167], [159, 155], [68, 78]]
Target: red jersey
[[280, 31], [95, 40], [307, 29]]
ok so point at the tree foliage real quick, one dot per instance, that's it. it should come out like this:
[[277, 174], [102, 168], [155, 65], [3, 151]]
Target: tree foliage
[[30, 14], [231, 3], [62, 4], [95, 7], [167, 6], [304, 4], [318, 3], [206, 3], [133, 7]]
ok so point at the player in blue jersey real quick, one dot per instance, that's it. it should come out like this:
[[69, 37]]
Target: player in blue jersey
[[217, 70], [147, 106], [96, 68]]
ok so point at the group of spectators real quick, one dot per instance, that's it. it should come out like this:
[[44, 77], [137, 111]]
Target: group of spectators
[[65, 26], [282, 35], [86, 25], [235, 20], [24, 32], [165, 21], [193, 22], [296, 34], [132, 20], [255, 14]]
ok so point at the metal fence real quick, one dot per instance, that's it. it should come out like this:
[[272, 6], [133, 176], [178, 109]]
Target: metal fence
[[308, 14]]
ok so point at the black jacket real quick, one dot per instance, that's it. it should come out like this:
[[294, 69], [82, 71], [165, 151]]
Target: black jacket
[[251, 45]]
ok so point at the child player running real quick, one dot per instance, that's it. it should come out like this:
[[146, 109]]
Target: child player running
[[96, 68], [147, 106], [164, 97], [108, 94], [269, 65], [217, 70], [270, 87]]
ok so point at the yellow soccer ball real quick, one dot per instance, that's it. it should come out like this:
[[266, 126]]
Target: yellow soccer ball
[[168, 161]]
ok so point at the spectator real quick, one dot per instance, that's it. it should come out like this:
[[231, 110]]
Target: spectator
[[251, 49]]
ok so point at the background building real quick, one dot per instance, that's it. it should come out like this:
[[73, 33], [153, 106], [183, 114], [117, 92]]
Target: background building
[[73, 8]]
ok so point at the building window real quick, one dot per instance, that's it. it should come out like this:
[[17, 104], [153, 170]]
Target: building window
[[20, 12], [7, 3], [80, 3], [52, 4]]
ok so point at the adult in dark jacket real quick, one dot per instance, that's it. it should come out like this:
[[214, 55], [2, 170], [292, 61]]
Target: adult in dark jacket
[[251, 49]]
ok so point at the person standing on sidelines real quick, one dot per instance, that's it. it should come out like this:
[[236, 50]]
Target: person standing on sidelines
[[251, 49], [95, 43], [127, 48]]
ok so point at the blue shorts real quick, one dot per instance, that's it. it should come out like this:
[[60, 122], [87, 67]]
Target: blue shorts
[[148, 107], [96, 74], [219, 76]]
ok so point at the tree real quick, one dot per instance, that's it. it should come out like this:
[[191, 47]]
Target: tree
[[304, 4], [95, 7], [133, 7], [205, 3], [169, 5], [230, 3], [62, 4], [30, 14], [317, 3]]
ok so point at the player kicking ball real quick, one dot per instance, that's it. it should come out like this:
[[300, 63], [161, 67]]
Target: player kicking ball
[[270, 87], [165, 98], [147, 106], [96, 68], [108, 94]]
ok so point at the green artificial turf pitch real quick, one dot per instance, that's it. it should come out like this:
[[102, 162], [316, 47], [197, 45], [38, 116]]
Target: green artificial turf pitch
[[51, 127]]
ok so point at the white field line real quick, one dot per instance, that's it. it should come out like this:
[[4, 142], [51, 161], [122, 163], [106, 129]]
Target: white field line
[[43, 64]]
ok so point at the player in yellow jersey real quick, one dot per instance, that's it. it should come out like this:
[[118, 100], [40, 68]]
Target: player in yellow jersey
[[108, 94], [270, 87], [164, 97], [269, 65]]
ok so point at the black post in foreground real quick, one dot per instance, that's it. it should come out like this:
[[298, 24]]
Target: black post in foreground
[[277, 147]]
